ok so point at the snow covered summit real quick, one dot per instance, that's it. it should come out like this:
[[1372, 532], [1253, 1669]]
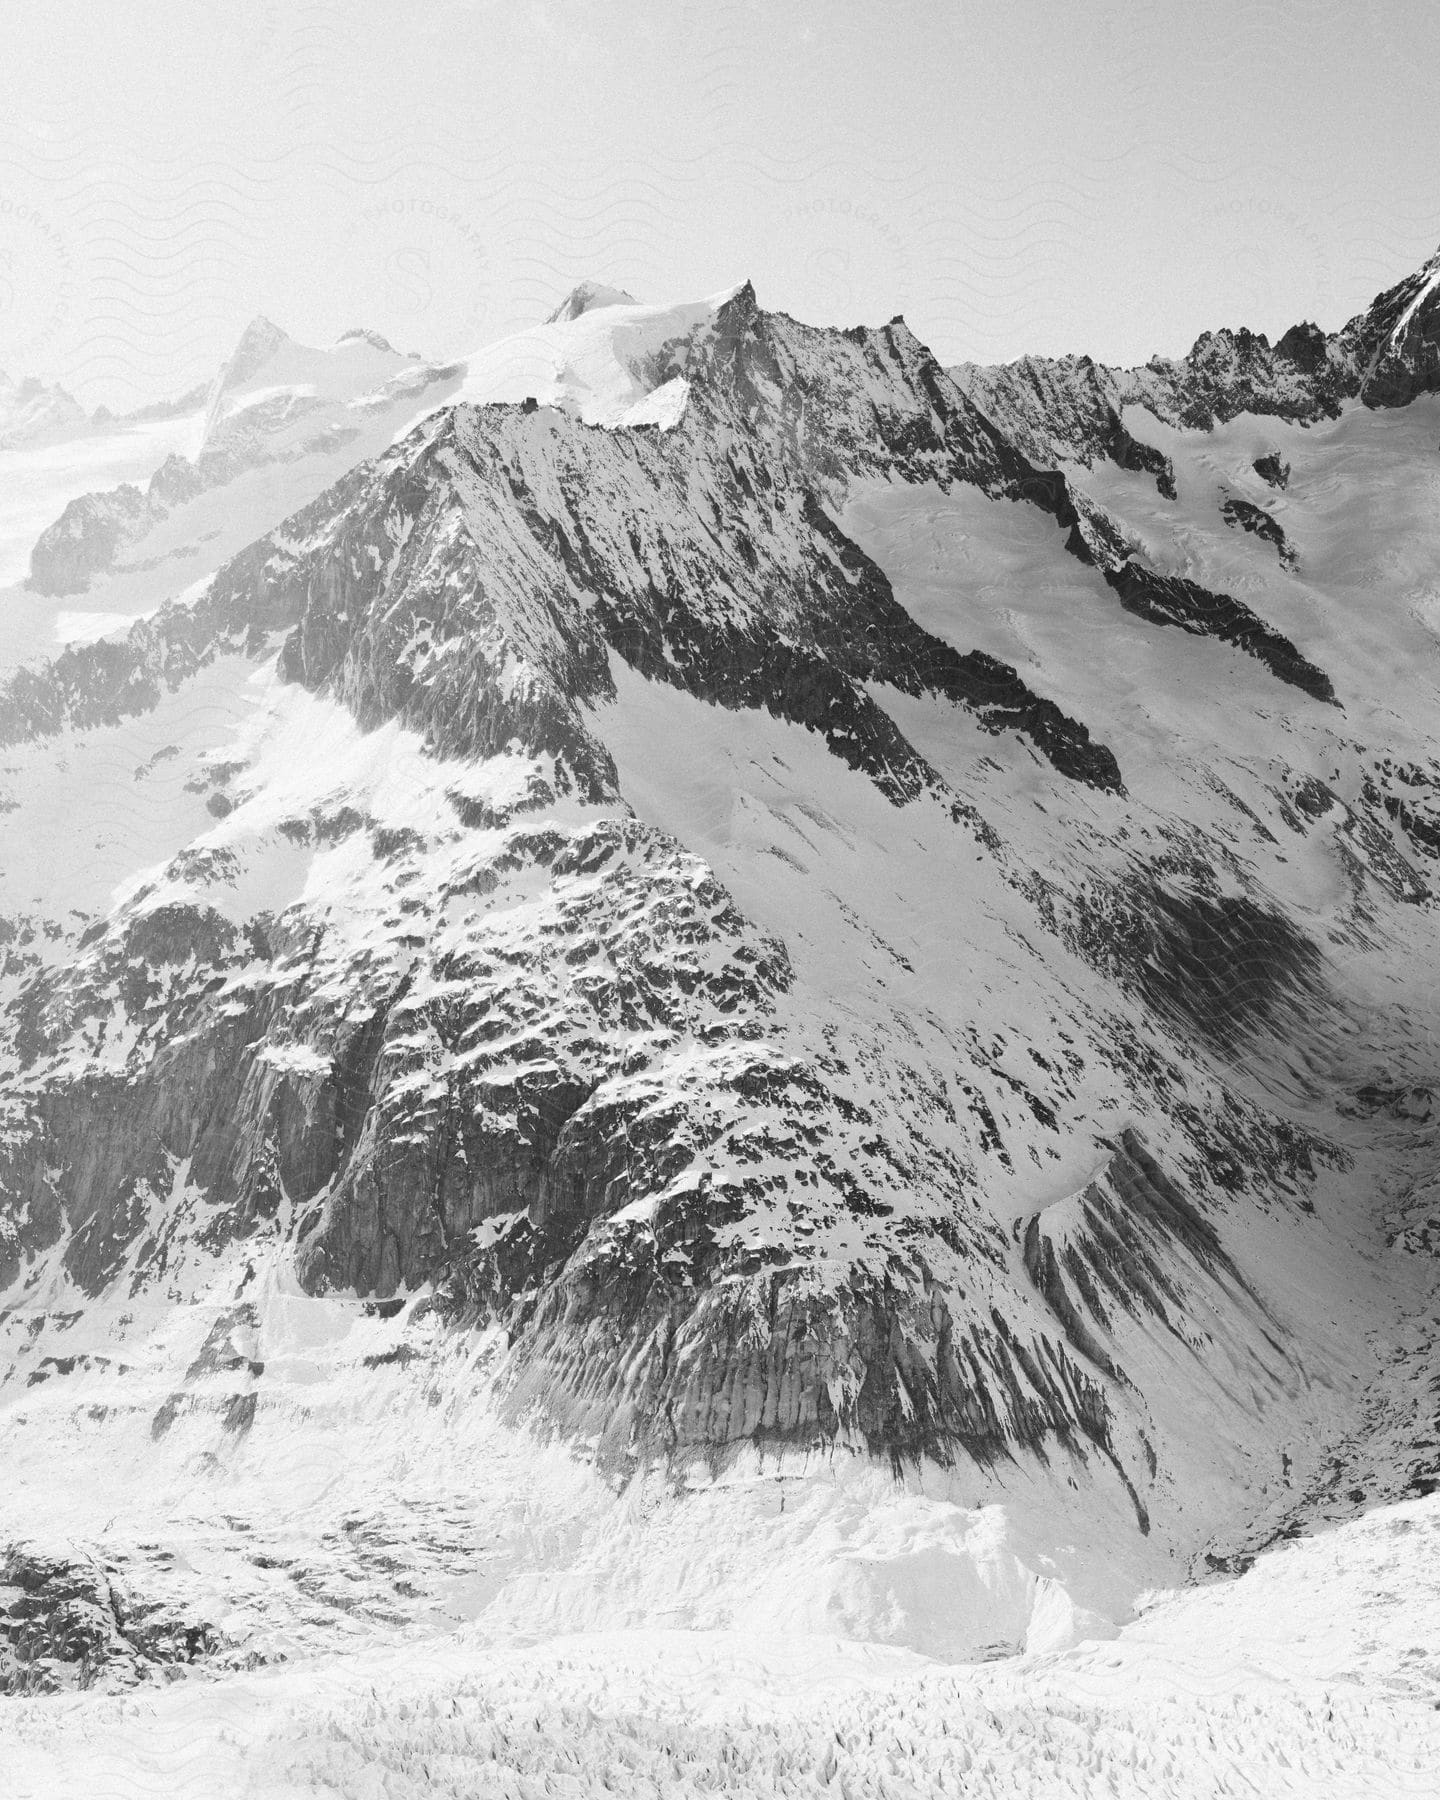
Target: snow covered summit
[[596, 357], [32, 413], [587, 296], [270, 385]]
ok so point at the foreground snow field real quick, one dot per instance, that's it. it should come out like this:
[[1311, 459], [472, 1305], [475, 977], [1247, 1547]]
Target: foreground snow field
[[1317, 1673], [417, 1599]]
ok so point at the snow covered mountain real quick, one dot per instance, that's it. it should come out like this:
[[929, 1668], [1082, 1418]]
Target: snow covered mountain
[[274, 402], [730, 908], [32, 413], [205, 474]]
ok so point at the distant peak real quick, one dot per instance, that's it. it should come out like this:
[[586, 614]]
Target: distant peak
[[32, 412], [1431, 265], [259, 341], [589, 296], [1394, 310], [29, 387], [260, 330], [742, 298]]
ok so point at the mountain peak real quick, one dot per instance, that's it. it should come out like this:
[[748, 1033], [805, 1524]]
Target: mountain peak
[[1401, 334], [32, 412], [1397, 309], [743, 294], [589, 296], [258, 342], [736, 312]]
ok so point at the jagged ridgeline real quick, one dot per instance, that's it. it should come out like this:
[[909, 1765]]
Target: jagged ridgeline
[[812, 980]]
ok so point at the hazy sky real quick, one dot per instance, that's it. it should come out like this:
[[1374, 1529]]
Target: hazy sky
[[1010, 175]]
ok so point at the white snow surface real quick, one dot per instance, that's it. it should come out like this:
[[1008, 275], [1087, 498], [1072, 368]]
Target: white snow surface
[[1316, 1673], [464, 1610], [270, 367], [593, 362]]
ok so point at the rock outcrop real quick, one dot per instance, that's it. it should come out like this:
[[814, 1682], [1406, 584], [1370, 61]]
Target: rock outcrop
[[1246, 516], [86, 538], [66, 1622], [1063, 407]]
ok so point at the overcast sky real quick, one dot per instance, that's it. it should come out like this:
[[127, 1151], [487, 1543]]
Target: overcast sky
[[1010, 175]]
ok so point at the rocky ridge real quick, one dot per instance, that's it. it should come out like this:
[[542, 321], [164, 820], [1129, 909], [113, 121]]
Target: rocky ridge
[[1069, 407], [67, 1623]]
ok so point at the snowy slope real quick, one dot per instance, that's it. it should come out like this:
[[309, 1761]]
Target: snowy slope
[[1314, 1673], [39, 480], [122, 513], [594, 356], [740, 948], [279, 422]]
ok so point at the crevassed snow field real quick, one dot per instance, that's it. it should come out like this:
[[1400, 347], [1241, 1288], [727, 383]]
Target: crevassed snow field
[[462, 1610], [1315, 1674]]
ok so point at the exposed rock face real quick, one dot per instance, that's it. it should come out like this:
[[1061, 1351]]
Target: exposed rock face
[[1248, 517], [1304, 375], [655, 1363], [85, 539], [1130, 453], [66, 1623], [1070, 413], [1162, 599], [1400, 340], [1270, 468], [92, 532], [1173, 600], [729, 580], [725, 578], [274, 402], [1410, 795], [1218, 967], [1120, 1245], [1062, 407]]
